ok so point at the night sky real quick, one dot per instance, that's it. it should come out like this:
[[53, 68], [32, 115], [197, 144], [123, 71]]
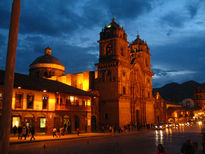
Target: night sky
[[173, 29]]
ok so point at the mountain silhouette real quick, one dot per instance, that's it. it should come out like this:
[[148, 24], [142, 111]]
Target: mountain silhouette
[[177, 92]]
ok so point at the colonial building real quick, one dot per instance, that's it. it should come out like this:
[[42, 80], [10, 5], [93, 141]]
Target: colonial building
[[123, 80], [199, 97], [160, 108], [46, 104]]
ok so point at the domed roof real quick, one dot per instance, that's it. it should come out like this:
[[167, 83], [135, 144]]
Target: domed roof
[[47, 58], [139, 41], [113, 25]]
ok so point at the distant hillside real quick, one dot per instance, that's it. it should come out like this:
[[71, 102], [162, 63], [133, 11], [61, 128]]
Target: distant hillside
[[177, 92]]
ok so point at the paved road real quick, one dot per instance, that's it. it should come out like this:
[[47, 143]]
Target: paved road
[[143, 142]]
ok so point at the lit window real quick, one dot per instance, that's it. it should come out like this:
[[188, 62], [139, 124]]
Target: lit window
[[45, 102], [30, 101], [88, 103], [18, 100], [15, 121], [42, 122], [1, 97], [72, 98]]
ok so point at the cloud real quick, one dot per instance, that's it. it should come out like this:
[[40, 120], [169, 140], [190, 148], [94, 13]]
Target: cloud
[[174, 19], [165, 76], [124, 10], [194, 6]]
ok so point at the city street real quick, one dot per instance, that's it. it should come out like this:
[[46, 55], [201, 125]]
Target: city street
[[140, 142]]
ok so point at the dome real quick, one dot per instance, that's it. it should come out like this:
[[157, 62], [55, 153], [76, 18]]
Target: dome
[[46, 59], [113, 30], [46, 66]]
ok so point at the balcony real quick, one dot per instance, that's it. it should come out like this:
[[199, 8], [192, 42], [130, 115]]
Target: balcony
[[72, 108]]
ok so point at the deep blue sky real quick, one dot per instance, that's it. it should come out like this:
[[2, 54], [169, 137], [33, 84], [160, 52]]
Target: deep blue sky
[[173, 29]]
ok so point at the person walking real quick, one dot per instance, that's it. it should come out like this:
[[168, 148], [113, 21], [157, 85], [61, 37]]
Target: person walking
[[24, 132], [14, 130], [78, 131], [19, 132], [32, 131], [54, 132], [161, 149], [188, 147], [203, 138]]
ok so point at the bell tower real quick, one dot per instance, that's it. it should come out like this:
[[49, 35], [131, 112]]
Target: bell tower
[[113, 74]]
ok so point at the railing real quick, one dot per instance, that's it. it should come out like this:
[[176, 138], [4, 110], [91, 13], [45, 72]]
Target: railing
[[73, 107]]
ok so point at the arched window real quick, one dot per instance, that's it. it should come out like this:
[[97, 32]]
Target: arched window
[[122, 51]]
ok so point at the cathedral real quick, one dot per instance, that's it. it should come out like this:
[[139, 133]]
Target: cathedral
[[122, 81]]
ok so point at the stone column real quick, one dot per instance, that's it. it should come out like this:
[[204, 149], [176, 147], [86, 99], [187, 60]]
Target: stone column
[[9, 77]]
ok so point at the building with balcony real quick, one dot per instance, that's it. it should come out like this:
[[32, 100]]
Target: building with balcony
[[46, 104]]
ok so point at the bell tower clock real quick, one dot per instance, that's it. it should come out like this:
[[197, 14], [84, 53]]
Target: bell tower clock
[[108, 49]]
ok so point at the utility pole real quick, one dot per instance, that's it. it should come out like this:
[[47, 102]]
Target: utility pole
[[9, 77]]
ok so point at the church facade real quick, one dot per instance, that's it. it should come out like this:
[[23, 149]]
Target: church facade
[[122, 81]]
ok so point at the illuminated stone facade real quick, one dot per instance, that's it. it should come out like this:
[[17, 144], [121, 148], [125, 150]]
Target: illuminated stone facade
[[123, 80], [160, 108], [199, 98], [46, 104]]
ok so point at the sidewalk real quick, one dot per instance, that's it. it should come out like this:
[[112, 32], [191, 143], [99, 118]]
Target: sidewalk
[[39, 138]]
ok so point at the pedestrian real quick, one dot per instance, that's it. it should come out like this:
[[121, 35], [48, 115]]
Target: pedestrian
[[203, 138], [14, 130], [32, 131], [161, 149], [65, 127], [78, 131], [24, 132], [58, 132], [54, 132], [62, 131], [19, 132], [188, 147]]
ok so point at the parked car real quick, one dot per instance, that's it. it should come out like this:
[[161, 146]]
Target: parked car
[[171, 124], [160, 126]]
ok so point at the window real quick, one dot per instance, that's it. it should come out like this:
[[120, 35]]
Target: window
[[83, 103], [57, 100], [16, 121], [106, 116], [61, 101], [30, 101], [103, 75], [124, 90], [18, 100], [1, 99], [42, 122], [68, 101], [45, 102], [109, 75], [122, 52]]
